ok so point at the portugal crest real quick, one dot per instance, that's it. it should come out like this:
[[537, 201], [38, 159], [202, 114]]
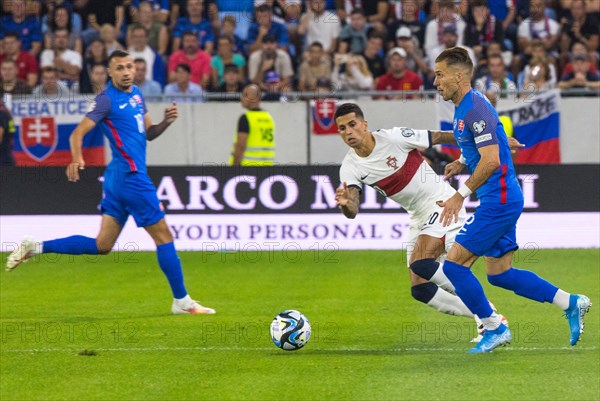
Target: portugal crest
[[392, 162]]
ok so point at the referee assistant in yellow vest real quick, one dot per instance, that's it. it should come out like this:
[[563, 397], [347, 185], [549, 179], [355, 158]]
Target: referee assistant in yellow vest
[[254, 143]]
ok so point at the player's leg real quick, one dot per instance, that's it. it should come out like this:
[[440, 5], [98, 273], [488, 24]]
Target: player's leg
[[73, 245], [170, 264], [527, 284], [424, 269]]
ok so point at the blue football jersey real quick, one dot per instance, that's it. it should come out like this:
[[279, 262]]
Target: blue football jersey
[[120, 116], [29, 30], [476, 124]]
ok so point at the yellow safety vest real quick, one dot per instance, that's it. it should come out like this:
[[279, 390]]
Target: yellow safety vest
[[507, 124], [260, 147]]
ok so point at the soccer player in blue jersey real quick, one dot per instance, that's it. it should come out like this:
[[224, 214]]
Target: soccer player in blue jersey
[[491, 231], [121, 113]]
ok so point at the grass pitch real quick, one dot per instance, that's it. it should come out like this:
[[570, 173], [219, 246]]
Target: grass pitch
[[82, 328]]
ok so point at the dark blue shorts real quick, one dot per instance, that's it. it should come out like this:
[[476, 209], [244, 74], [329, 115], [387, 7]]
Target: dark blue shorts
[[131, 194], [492, 230]]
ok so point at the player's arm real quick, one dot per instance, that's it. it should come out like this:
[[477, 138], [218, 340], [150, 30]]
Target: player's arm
[[239, 148], [442, 138], [153, 131], [76, 143], [347, 199]]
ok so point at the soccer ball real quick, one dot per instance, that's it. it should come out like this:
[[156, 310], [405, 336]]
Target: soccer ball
[[290, 330]]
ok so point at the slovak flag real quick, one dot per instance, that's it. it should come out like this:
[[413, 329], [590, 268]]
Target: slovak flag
[[322, 112]]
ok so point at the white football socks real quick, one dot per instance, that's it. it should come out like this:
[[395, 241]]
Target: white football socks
[[492, 322], [440, 279], [561, 299], [449, 304]]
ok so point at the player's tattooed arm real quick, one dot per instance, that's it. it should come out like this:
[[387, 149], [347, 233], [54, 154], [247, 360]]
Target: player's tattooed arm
[[442, 137], [347, 200]]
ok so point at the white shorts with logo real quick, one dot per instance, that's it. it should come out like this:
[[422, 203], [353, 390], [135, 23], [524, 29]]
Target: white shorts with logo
[[432, 226]]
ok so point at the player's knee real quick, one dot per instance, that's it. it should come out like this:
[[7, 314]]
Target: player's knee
[[424, 268], [424, 292], [104, 248]]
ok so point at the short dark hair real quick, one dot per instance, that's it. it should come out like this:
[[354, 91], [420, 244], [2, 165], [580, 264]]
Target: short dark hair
[[358, 11], [189, 33], [117, 54], [98, 65], [263, 8], [348, 108], [12, 35], [317, 44], [231, 68], [140, 60], [456, 56], [227, 38], [139, 27], [184, 67]]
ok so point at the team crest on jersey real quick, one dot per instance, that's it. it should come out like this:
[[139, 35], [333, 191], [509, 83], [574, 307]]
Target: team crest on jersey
[[38, 137], [392, 162], [407, 132], [461, 126]]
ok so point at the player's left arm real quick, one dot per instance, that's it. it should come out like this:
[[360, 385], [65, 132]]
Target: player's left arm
[[153, 131]]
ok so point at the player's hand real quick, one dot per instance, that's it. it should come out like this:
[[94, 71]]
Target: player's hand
[[73, 169], [342, 195], [452, 169], [171, 113], [514, 144], [451, 210]]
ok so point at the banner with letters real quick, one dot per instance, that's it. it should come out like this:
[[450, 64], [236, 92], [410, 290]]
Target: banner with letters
[[43, 129], [536, 122], [216, 208]]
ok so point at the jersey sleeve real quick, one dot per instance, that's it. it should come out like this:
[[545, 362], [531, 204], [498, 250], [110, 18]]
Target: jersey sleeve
[[349, 174], [243, 125], [482, 123], [410, 139], [100, 108]]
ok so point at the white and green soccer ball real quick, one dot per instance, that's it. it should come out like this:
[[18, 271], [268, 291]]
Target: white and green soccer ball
[[290, 330]]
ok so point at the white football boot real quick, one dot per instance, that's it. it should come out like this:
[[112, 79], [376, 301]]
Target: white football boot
[[24, 251]]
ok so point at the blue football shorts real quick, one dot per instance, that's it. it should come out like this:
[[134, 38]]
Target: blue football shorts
[[131, 194], [492, 230]]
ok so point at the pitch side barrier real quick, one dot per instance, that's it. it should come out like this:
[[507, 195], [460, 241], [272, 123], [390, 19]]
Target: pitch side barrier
[[215, 208]]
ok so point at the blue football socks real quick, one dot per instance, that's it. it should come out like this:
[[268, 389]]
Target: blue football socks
[[74, 245], [525, 283], [468, 288], [171, 265]]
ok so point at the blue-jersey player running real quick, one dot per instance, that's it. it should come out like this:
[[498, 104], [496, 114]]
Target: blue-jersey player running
[[491, 231], [121, 113]]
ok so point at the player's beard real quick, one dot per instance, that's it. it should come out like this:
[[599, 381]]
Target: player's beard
[[124, 86]]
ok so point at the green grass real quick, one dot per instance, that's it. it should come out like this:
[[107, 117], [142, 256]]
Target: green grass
[[98, 329]]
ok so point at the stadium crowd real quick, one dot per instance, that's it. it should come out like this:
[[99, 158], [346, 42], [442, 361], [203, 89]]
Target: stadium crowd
[[54, 47]]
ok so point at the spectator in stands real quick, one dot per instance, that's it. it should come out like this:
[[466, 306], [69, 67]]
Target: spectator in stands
[[351, 73], [286, 12], [375, 11], [232, 82], [581, 77], [270, 68], [108, 34], [538, 77], [51, 88], [353, 37], [7, 134], [148, 87], [399, 77], [482, 28], [314, 66], [241, 10], [100, 12], [68, 62], [223, 57], [325, 87], [196, 59], [61, 18], [98, 78], [139, 48], [436, 28], [210, 12], [496, 83], [264, 26], [195, 23], [228, 29], [27, 65], [320, 25], [51, 6], [449, 39], [183, 85], [414, 55], [158, 36], [372, 54], [539, 51], [537, 26], [159, 10], [409, 19], [578, 49], [28, 28], [9, 82], [95, 54], [580, 27]]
